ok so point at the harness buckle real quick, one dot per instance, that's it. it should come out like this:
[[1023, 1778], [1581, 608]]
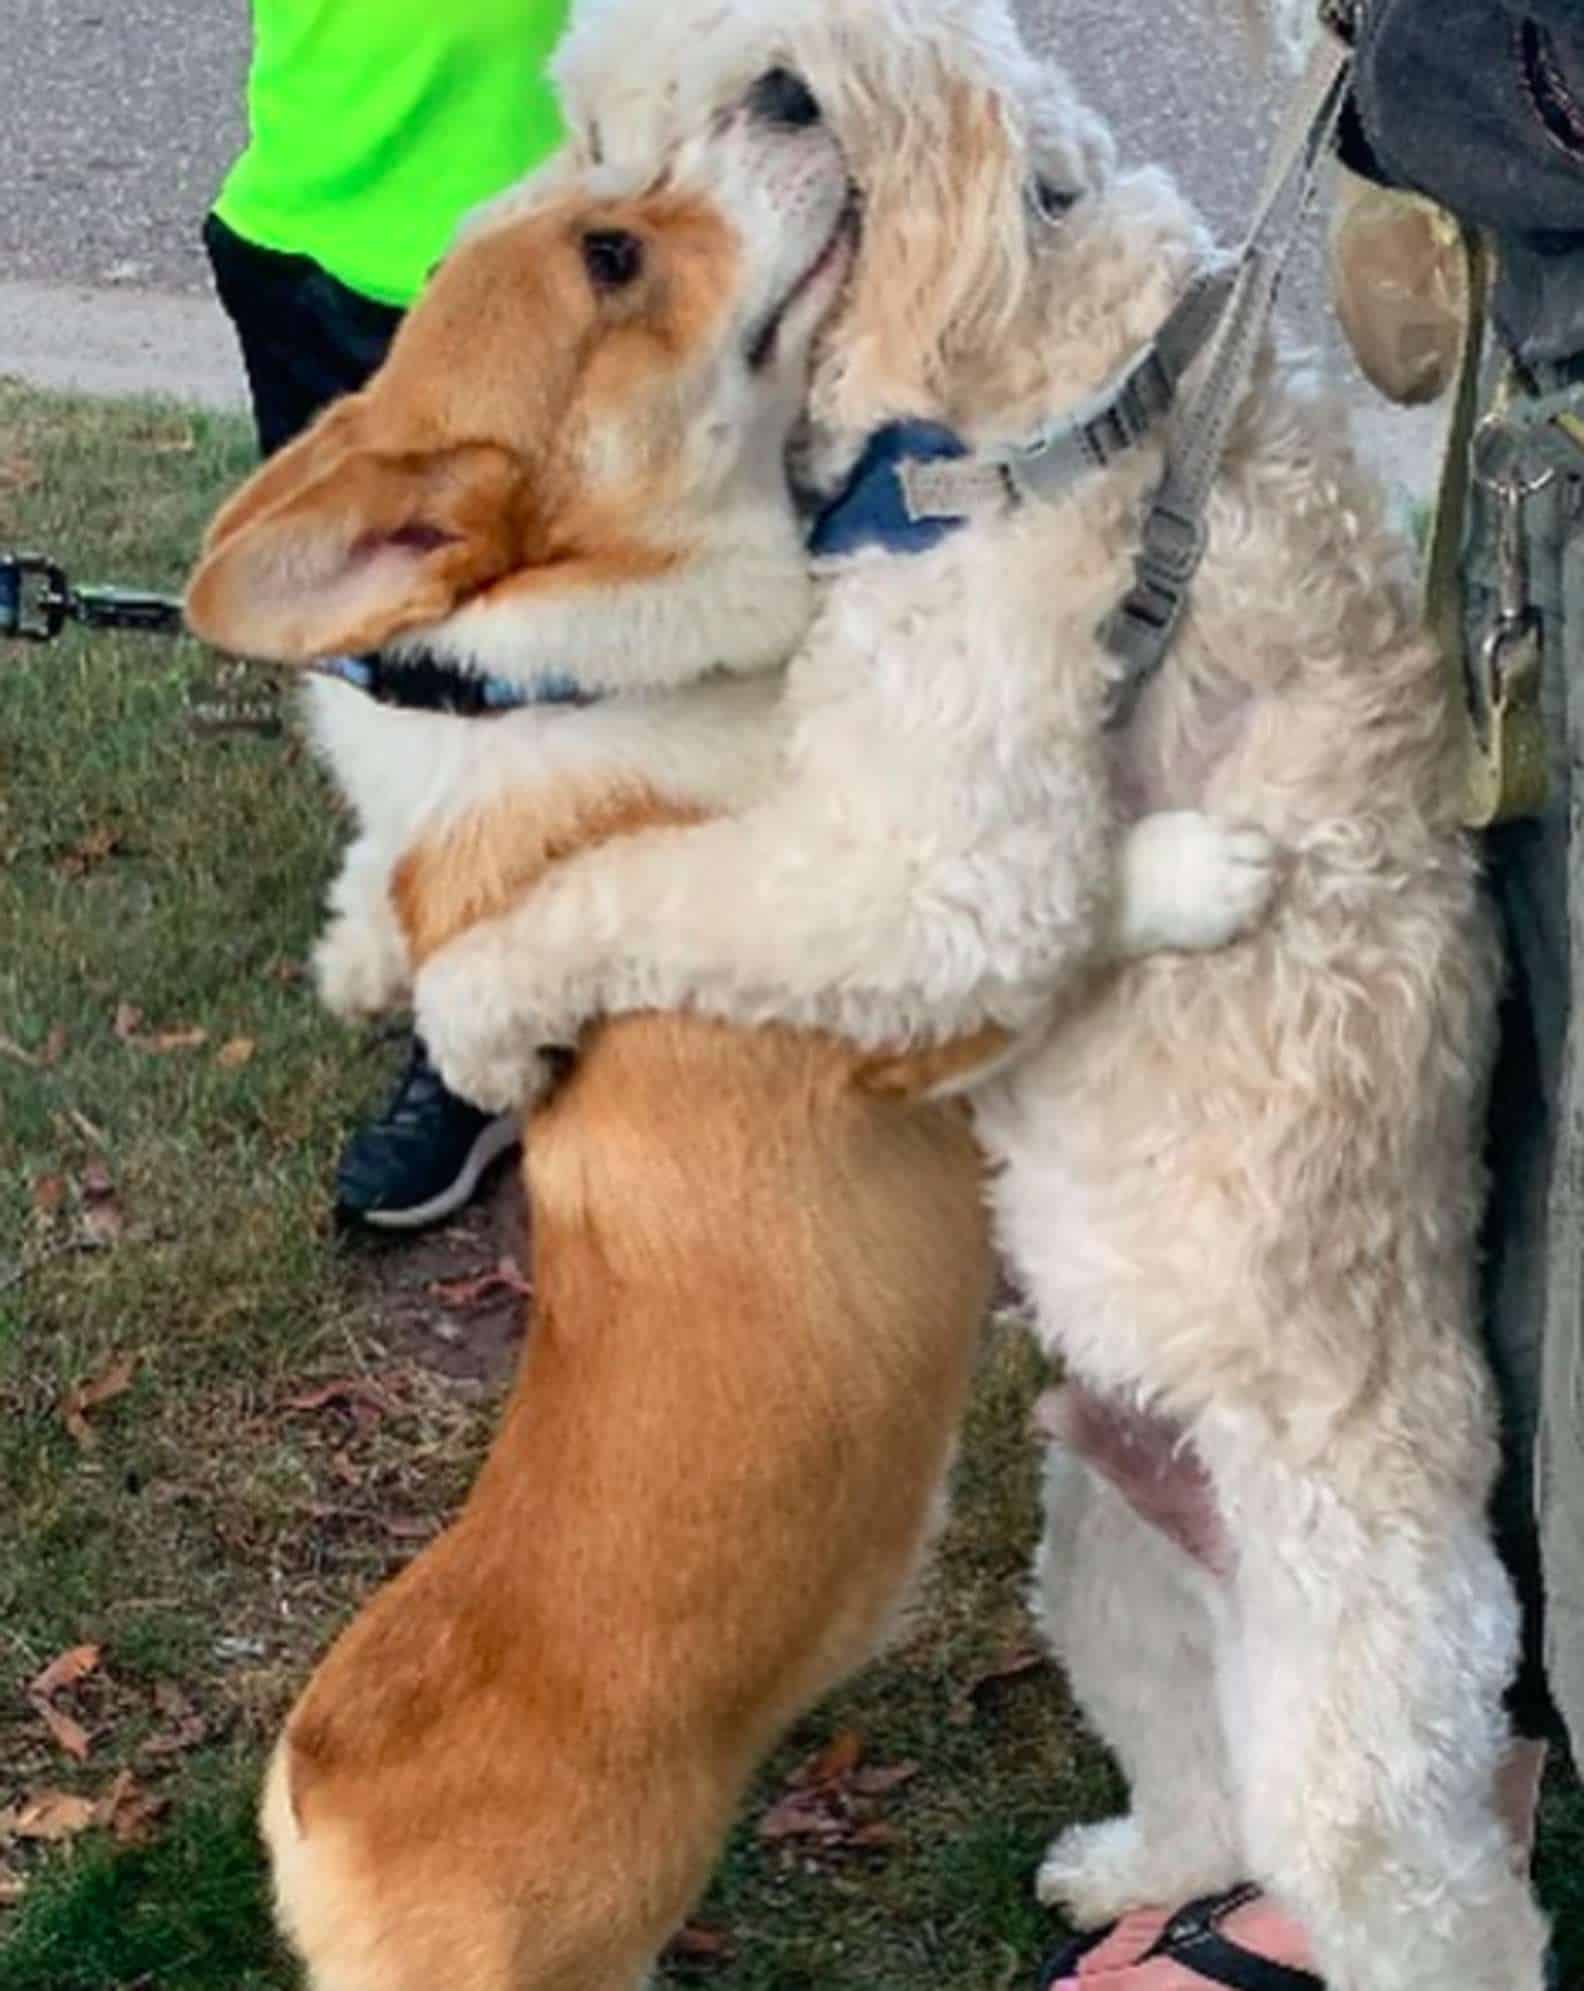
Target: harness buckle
[[1173, 543]]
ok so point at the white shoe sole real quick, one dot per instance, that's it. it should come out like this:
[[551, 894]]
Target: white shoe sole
[[493, 1141]]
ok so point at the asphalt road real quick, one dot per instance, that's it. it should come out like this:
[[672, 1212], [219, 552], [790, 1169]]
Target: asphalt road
[[118, 119]]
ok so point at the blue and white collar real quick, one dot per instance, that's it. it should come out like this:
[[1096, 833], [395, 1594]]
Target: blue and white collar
[[424, 683]]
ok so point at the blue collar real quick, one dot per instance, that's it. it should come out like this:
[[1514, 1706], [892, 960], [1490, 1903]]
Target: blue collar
[[423, 683], [871, 509]]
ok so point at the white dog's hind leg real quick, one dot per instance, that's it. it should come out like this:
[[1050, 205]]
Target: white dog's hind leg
[[1131, 1619], [1370, 1729]]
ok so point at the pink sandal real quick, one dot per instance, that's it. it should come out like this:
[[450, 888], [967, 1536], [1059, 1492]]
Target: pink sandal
[[1239, 1939]]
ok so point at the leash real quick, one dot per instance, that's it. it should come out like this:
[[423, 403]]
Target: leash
[[38, 603], [1140, 630]]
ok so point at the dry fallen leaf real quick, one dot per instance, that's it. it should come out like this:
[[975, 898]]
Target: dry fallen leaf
[[96, 1135], [66, 1669], [49, 1815], [54, 1045], [129, 1811], [12, 1888], [171, 1701], [804, 1815], [10, 1048], [408, 1528], [837, 1759], [178, 1040], [112, 1382], [1012, 1665], [187, 1734], [49, 1192], [103, 1219], [694, 1943], [345, 1389], [128, 1021], [236, 1053], [90, 851], [70, 1734], [505, 1277], [830, 1800], [883, 1778]]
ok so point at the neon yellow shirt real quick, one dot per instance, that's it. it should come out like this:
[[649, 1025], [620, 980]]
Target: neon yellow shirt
[[376, 124]]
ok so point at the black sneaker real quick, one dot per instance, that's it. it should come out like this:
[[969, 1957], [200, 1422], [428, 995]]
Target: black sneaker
[[422, 1157]]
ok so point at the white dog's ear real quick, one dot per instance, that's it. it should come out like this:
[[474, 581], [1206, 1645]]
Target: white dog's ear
[[330, 550]]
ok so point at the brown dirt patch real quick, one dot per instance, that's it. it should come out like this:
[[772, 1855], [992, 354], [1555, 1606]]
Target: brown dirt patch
[[450, 1299]]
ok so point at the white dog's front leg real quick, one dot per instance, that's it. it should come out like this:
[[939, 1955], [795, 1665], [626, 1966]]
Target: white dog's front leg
[[360, 959], [786, 914], [1191, 883]]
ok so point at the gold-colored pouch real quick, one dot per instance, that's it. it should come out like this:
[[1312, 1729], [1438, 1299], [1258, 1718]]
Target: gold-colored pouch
[[1400, 286]]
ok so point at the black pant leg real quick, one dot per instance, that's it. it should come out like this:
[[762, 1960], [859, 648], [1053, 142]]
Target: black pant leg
[[306, 338]]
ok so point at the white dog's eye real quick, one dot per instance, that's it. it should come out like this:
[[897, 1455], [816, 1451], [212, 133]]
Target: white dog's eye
[[1050, 202], [780, 97], [612, 257]]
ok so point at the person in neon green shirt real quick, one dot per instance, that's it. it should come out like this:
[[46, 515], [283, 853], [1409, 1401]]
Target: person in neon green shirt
[[374, 126]]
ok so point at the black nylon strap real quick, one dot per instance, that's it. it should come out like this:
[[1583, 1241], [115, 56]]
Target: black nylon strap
[[1193, 1938], [1219, 1961]]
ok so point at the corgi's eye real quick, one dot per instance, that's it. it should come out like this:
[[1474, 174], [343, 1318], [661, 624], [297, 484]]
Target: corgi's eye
[[612, 257]]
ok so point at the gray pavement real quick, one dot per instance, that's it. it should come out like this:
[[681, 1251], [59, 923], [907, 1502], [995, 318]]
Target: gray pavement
[[118, 118]]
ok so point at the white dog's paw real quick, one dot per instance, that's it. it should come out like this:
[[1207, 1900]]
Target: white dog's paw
[[1094, 1873], [358, 969], [1191, 882], [474, 1038]]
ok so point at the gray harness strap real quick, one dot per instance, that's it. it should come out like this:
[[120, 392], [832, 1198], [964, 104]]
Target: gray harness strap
[[1113, 420], [1140, 629]]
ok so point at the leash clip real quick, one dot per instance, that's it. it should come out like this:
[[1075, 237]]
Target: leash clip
[[35, 598], [1508, 776]]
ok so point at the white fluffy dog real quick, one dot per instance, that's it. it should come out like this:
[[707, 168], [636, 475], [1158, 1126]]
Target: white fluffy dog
[[1242, 1188]]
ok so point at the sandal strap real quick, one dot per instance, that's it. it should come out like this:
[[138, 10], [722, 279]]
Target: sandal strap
[[1066, 1960], [1193, 1938]]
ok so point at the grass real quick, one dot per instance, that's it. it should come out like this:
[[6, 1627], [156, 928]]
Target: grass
[[163, 1224]]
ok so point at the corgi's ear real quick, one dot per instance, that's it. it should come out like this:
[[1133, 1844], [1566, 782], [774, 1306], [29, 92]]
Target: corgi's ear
[[332, 547]]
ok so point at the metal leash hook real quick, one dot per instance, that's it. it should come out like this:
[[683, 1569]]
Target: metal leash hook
[[33, 598], [1505, 702]]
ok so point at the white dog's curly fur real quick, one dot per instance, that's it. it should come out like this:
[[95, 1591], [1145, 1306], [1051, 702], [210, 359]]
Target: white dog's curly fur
[[1242, 1188]]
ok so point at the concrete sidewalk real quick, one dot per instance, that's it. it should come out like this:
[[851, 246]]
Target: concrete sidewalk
[[89, 340], [94, 340]]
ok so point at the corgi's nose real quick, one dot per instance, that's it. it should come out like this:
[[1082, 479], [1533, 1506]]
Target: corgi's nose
[[780, 97]]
